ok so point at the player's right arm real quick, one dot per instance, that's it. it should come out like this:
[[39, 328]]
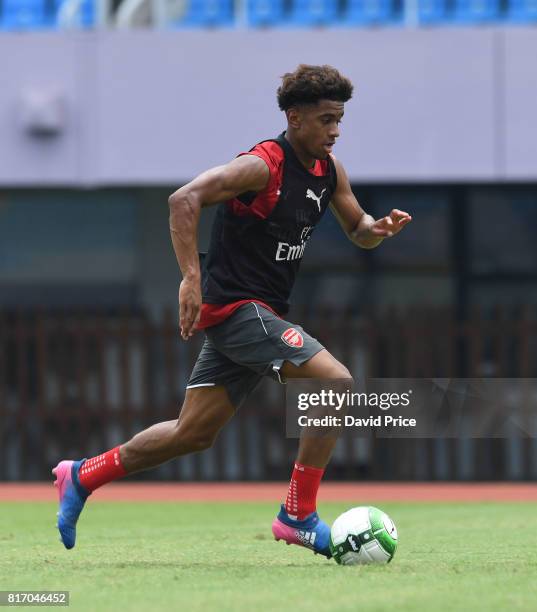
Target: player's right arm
[[244, 173]]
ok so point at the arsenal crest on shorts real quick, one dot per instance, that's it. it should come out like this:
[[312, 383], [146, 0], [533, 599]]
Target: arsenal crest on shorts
[[293, 338]]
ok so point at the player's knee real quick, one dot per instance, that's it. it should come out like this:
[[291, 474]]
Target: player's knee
[[200, 443], [339, 371], [344, 373], [325, 366]]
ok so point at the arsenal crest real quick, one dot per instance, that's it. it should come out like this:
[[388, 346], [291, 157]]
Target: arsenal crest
[[293, 338]]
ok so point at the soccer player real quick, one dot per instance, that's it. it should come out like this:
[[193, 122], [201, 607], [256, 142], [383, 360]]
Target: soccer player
[[271, 199]]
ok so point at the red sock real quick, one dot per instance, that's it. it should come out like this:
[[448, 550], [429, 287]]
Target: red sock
[[302, 495], [97, 471]]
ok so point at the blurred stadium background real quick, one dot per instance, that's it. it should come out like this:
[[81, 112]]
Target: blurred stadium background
[[107, 106]]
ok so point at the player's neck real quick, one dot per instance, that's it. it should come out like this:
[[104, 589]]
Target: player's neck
[[304, 158]]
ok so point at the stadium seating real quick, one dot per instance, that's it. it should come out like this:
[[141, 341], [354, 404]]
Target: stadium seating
[[313, 13], [265, 13], [24, 15], [46, 14], [522, 11], [17, 15], [368, 12], [84, 12], [207, 14], [476, 11], [432, 12]]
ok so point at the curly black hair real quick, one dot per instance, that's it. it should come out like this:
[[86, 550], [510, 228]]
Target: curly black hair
[[309, 84]]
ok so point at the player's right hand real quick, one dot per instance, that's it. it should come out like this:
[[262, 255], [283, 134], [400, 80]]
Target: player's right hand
[[189, 307]]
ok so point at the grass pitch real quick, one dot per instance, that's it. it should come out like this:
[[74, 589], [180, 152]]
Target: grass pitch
[[166, 556]]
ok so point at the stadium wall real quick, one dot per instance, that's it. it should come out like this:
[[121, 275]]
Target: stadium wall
[[155, 108]]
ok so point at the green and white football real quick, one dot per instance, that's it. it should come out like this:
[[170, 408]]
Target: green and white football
[[363, 535]]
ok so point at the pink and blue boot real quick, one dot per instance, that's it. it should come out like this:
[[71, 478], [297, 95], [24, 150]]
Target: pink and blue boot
[[310, 532], [72, 497]]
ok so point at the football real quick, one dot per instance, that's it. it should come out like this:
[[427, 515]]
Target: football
[[363, 535]]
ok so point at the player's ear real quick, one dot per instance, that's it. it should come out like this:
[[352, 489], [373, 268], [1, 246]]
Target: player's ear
[[293, 117]]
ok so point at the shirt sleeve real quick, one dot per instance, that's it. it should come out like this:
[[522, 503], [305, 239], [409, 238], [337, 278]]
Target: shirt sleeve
[[271, 153], [265, 200]]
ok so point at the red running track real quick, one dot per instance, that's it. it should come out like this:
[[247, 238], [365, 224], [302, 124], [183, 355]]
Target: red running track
[[358, 493]]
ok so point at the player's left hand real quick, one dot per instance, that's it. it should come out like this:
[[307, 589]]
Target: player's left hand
[[388, 226]]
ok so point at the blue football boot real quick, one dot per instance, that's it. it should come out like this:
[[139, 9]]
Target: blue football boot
[[72, 499], [310, 532]]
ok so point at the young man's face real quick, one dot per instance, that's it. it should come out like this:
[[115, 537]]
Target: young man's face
[[317, 126]]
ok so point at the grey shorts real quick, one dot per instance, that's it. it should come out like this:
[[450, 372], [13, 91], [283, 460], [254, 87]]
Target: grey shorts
[[250, 344]]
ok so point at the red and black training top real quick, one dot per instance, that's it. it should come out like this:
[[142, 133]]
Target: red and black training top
[[258, 239]]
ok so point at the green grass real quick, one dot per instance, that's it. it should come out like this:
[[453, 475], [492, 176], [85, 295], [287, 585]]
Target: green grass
[[222, 557]]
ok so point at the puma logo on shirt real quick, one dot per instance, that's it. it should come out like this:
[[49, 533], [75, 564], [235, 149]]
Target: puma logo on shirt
[[311, 194]]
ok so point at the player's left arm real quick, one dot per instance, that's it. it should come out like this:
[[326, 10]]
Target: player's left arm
[[361, 228]]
